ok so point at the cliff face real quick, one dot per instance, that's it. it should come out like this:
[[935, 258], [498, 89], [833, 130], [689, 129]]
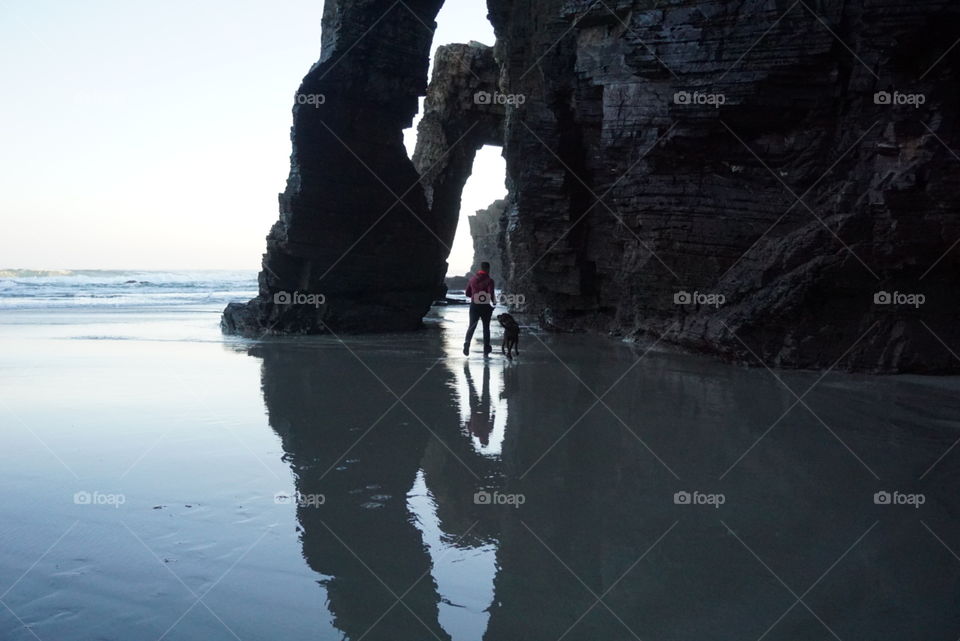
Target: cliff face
[[752, 179], [726, 176], [486, 227], [356, 247]]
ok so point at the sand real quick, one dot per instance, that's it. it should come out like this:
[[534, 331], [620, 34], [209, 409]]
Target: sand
[[158, 479]]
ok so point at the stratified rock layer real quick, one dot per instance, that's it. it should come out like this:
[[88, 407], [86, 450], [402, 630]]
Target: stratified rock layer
[[737, 155], [485, 229], [673, 151]]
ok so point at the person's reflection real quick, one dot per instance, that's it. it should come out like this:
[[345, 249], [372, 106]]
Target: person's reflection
[[480, 422], [345, 445]]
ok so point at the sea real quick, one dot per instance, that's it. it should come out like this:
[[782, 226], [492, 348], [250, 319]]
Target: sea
[[106, 288]]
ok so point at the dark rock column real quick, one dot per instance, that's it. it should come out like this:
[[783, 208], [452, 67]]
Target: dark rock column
[[356, 238]]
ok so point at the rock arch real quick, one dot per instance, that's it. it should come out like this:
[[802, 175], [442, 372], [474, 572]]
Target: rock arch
[[353, 206]]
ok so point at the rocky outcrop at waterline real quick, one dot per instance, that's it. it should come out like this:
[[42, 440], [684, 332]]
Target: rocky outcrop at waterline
[[767, 181]]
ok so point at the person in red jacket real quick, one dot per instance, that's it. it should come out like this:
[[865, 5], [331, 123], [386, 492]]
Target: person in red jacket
[[481, 294]]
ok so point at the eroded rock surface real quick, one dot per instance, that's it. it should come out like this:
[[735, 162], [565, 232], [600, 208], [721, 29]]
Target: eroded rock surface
[[672, 151], [459, 117], [741, 156], [355, 230], [485, 230]]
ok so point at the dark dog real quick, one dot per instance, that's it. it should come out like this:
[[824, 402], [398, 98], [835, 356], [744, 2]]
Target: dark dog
[[511, 335]]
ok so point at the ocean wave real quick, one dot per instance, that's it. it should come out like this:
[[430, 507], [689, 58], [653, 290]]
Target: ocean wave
[[33, 273], [84, 288]]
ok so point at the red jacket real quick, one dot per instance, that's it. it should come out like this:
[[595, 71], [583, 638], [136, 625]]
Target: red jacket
[[480, 288]]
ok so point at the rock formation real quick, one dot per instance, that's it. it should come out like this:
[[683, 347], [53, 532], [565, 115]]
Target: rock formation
[[668, 152], [355, 247], [459, 117], [764, 180], [485, 229]]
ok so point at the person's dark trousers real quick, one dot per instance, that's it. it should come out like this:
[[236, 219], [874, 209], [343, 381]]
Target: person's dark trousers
[[479, 312]]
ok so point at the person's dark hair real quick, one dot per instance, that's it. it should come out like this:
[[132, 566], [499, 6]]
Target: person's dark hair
[[485, 266]]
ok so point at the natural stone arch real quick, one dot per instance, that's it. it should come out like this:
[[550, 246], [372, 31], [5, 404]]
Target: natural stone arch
[[461, 115], [355, 226], [624, 196]]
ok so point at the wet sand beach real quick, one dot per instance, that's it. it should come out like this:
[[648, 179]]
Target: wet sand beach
[[162, 481]]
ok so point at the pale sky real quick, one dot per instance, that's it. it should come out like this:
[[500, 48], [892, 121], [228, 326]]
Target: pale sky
[[155, 135]]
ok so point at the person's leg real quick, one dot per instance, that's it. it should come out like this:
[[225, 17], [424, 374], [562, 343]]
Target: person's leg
[[485, 315], [474, 317]]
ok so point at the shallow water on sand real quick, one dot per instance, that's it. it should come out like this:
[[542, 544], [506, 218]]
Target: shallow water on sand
[[160, 481]]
